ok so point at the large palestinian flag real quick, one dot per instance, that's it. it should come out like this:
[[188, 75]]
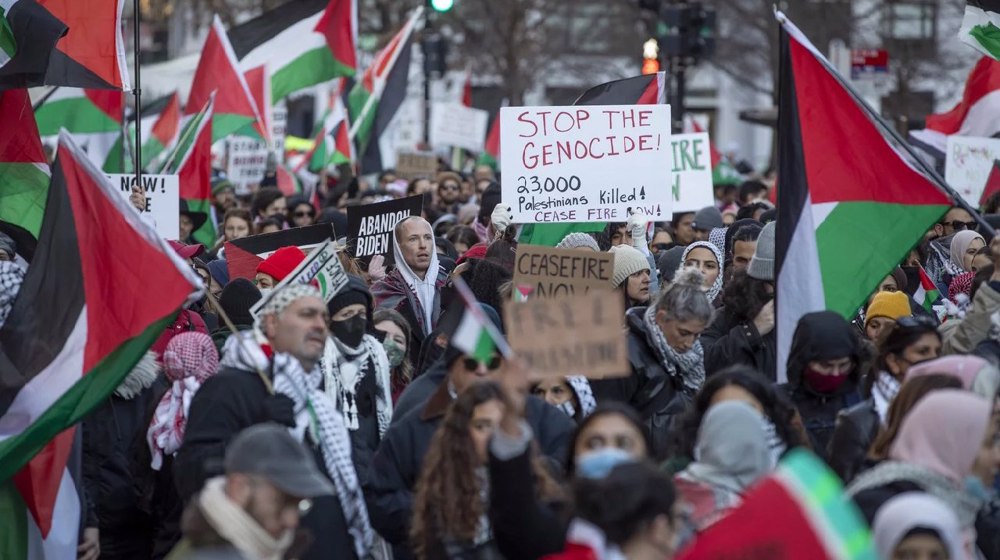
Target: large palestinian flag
[[648, 89], [193, 166], [24, 172], [28, 37], [92, 54], [94, 118], [375, 98], [852, 201], [83, 318], [331, 144], [218, 71], [303, 43]]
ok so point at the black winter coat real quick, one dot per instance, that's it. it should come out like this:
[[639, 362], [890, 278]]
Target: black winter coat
[[853, 433], [522, 526], [226, 403], [398, 461], [650, 390], [730, 342]]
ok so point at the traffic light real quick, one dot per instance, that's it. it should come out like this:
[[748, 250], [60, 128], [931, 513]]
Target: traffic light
[[435, 49], [442, 5], [690, 30], [650, 57]]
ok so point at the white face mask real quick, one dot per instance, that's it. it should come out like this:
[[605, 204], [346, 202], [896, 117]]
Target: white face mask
[[568, 408], [264, 292]]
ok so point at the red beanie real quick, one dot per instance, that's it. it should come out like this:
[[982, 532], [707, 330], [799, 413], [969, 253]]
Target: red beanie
[[477, 251], [282, 262]]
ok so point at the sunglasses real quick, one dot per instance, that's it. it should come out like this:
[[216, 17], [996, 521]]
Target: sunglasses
[[450, 187], [307, 213], [472, 364], [959, 225], [662, 246], [916, 321]]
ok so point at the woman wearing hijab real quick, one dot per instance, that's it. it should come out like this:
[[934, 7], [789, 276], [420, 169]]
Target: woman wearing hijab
[[917, 525], [667, 359], [570, 394], [731, 454], [911, 341], [706, 257], [356, 371], [937, 446], [964, 247], [976, 374]]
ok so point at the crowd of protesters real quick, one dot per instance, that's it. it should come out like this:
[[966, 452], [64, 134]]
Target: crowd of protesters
[[353, 428]]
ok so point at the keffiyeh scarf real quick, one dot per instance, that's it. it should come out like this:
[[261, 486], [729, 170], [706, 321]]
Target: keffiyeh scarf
[[11, 277], [343, 369], [884, 390], [317, 415], [688, 368]]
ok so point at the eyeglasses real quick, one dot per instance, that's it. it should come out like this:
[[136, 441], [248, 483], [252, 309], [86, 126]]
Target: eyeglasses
[[307, 213], [450, 186], [662, 246], [472, 364], [959, 225]]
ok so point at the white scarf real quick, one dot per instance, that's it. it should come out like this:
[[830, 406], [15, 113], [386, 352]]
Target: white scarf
[[883, 391], [237, 526], [316, 413], [425, 288], [342, 373]]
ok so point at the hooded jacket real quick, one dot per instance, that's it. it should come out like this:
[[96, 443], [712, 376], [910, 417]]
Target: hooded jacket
[[820, 336]]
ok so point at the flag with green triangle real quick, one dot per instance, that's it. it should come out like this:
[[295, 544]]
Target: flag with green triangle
[[24, 172], [164, 133], [853, 198], [331, 144], [491, 152], [94, 118], [303, 43]]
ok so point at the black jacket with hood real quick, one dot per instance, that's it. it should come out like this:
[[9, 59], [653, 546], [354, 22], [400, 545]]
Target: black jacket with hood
[[821, 336]]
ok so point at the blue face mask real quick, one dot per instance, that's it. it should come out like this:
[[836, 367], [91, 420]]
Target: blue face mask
[[975, 487], [598, 463]]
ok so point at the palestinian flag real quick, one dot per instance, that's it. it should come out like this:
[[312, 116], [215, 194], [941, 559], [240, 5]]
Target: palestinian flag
[[992, 184], [817, 521], [471, 330], [491, 154], [467, 88], [218, 71], [24, 172], [28, 37], [92, 55], [374, 100], [259, 81], [194, 171], [244, 254], [852, 202], [331, 144], [303, 43], [82, 319], [648, 89], [723, 173], [165, 132], [94, 118], [977, 114], [979, 27], [926, 294]]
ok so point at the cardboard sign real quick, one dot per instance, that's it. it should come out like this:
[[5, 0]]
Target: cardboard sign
[[455, 125], [550, 272], [247, 160], [416, 166], [322, 266], [369, 227], [162, 200], [243, 255], [580, 334], [968, 162], [586, 164], [692, 186]]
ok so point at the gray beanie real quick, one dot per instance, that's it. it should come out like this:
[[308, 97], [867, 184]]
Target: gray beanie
[[762, 264], [668, 263], [707, 219], [628, 261], [578, 240]]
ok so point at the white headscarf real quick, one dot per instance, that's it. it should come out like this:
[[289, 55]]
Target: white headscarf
[[911, 510], [716, 287], [426, 287]]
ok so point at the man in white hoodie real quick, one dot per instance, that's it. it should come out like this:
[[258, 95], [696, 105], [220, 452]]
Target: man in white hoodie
[[413, 288]]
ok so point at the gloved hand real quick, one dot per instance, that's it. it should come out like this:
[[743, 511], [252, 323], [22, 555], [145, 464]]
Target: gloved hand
[[501, 218], [280, 409], [635, 225]]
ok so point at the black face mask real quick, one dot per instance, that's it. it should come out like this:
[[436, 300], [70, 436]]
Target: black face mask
[[350, 331]]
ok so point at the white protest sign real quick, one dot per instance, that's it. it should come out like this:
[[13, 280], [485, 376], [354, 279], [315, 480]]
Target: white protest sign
[[591, 163], [162, 200], [454, 124], [247, 160], [321, 265], [692, 185], [968, 162], [279, 123]]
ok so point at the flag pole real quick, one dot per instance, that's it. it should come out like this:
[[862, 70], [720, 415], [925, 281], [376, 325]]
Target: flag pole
[[137, 91]]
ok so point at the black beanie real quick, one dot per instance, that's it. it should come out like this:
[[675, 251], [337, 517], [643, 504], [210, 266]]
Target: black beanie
[[237, 298], [488, 201], [356, 291]]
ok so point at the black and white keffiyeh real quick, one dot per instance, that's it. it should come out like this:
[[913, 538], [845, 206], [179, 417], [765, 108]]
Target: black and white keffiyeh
[[317, 415], [689, 367], [343, 369], [11, 278], [584, 394]]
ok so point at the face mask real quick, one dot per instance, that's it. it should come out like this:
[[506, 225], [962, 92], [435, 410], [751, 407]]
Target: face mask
[[975, 487], [393, 351], [597, 464], [264, 292], [568, 408], [350, 331], [822, 383]]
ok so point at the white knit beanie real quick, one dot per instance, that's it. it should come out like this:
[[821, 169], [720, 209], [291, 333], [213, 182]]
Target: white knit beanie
[[578, 240], [628, 261]]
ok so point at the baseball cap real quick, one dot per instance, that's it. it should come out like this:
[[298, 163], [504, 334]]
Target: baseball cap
[[269, 451]]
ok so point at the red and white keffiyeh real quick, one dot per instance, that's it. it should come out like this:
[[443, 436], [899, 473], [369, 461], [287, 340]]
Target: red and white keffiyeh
[[189, 359]]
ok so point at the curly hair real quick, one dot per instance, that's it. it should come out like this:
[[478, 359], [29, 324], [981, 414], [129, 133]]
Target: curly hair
[[745, 296]]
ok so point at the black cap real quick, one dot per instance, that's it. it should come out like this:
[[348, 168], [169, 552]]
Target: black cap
[[269, 451]]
